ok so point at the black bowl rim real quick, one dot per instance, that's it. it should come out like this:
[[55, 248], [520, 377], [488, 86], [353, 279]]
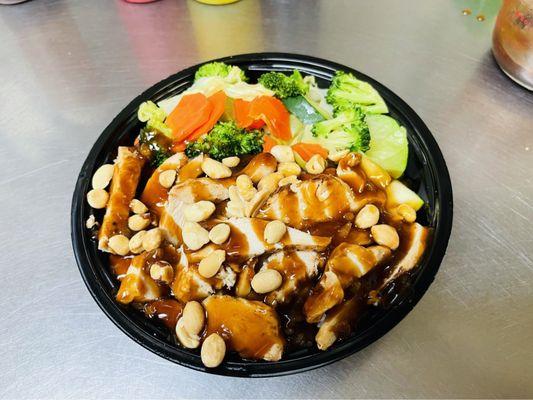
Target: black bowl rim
[[441, 234]]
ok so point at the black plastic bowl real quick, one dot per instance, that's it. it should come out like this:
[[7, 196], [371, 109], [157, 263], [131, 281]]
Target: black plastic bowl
[[426, 173]]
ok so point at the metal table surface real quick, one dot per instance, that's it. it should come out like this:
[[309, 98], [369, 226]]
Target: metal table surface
[[68, 67]]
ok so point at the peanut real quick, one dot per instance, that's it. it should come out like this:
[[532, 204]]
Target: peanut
[[119, 244], [138, 222], [407, 212], [245, 187], [152, 239], [213, 351], [219, 233], [337, 155], [187, 339], [289, 168], [231, 161], [274, 231], [316, 165], [167, 178], [322, 192], [194, 236], [282, 153], [138, 207], [385, 235], [368, 216], [162, 271], [210, 265], [270, 182], [288, 180], [199, 211], [193, 317], [97, 198], [215, 169], [136, 242], [266, 281], [103, 176]]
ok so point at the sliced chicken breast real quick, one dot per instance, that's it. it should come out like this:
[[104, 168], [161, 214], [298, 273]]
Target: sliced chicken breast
[[260, 166], [339, 322], [251, 328], [137, 285]]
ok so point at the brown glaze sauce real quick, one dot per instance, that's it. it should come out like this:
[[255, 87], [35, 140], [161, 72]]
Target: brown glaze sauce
[[168, 311]]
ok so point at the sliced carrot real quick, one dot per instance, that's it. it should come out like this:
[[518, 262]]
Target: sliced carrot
[[268, 143], [307, 150], [218, 103], [273, 112], [242, 115], [192, 111]]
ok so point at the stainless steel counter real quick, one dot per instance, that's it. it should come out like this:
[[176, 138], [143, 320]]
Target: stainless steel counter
[[68, 67]]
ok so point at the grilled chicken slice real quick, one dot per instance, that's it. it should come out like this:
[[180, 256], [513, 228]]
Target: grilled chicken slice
[[188, 284], [154, 195], [248, 327], [296, 268], [244, 281], [260, 166], [339, 322], [412, 245], [347, 262], [320, 199], [137, 285], [247, 239], [126, 176], [188, 192]]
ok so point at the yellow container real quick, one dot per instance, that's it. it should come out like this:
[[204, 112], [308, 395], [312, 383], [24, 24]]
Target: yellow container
[[217, 2]]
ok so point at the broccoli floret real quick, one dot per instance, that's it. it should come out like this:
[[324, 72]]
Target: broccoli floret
[[346, 91], [284, 86], [154, 146], [226, 140], [348, 130], [219, 69], [159, 157]]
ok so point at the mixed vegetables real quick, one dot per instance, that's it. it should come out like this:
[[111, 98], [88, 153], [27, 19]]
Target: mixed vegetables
[[224, 115]]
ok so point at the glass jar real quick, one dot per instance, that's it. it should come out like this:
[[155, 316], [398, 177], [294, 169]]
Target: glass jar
[[512, 41]]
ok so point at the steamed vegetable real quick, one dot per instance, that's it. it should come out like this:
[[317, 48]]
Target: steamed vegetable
[[301, 108], [388, 144], [284, 86], [154, 146], [308, 150], [398, 193], [346, 91], [271, 111], [348, 130], [154, 117], [221, 70], [226, 140]]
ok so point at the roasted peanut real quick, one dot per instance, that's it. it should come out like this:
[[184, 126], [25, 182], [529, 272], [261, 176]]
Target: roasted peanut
[[282, 153], [152, 239], [368, 216], [103, 176], [193, 317], [219, 233], [289, 168], [138, 207], [215, 169], [231, 161], [138, 222], [97, 198], [385, 235], [270, 182], [162, 271], [266, 281], [167, 178], [210, 265], [119, 244], [187, 339], [245, 187], [91, 222], [274, 231], [136, 242], [199, 211], [322, 192], [213, 350], [288, 180], [336, 156], [234, 209], [316, 164], [407, 212], [194, 236]]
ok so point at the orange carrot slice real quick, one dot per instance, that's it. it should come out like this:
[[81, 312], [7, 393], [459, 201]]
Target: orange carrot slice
[[218, 105], [307, 150], [192, 111], [268, 143], [273, 112], [242, 115]]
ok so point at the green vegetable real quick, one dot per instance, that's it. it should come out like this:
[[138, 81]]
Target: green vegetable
[[388, 145], [398, 193], [284, 86], [226, 140], [154, 146], [348, 130], [346, 91], [154, 117], [301, 108], [219, 69]]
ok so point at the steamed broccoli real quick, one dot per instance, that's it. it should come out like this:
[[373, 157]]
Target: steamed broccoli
[[220, 69], [284, 86], [226, 140], [348, 130], [346, 91]]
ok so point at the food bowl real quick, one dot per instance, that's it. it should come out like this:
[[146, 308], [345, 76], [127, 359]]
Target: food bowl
[[426, 173]]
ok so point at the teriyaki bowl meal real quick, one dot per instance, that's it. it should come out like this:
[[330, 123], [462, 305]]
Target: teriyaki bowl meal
[[256, 219]]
